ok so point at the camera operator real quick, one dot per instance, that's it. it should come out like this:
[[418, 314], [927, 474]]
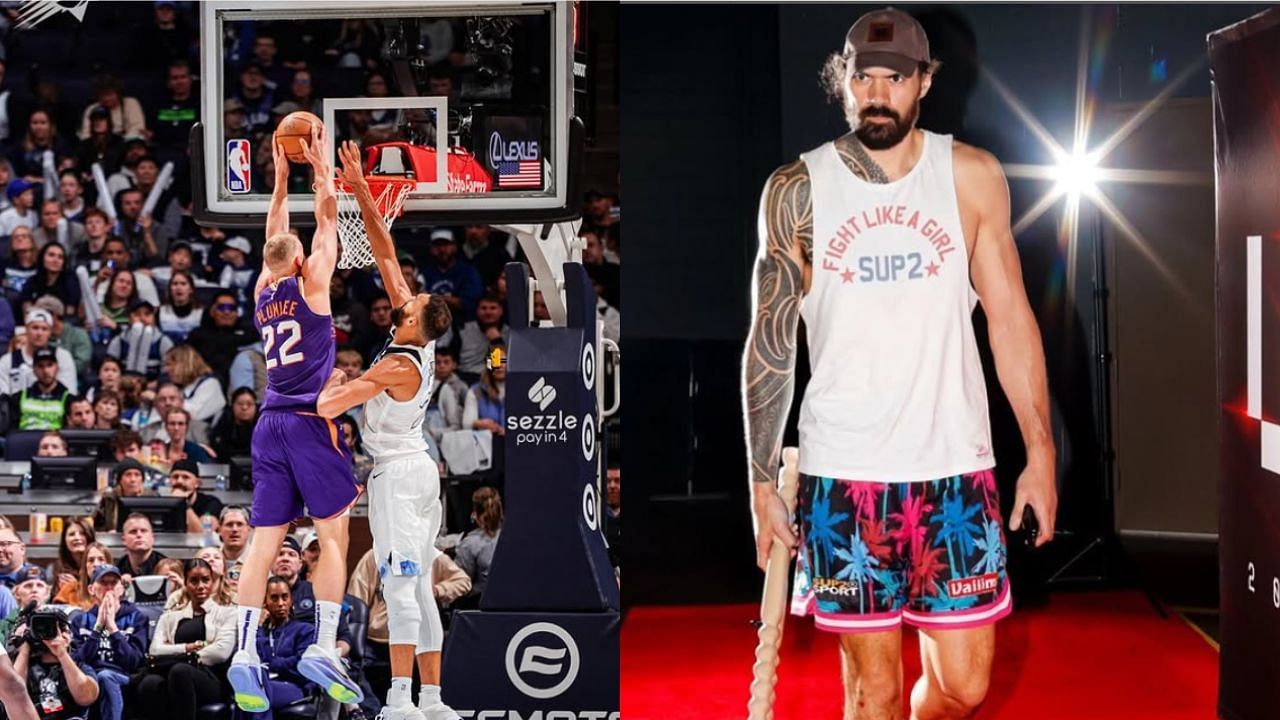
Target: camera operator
[[58, 687]]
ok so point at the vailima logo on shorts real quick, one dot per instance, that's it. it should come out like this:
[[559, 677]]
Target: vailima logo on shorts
[[542, 393]]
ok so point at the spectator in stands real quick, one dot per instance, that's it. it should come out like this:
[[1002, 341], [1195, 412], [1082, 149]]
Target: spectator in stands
[[448, 395], [109, 375], [167, 213], [347, 314], [106, 407], [7, 325], [97, 228], [126, 443], [454, 279], [613, 509], [276, 75], [152, 427], [184, 481], [610, 318], [102, 146], [351, 363], [310, 553], [57, 684], [440, 84], [235, 121], [183, 313], [164, 39], [281, 642], [77, 593], [132, 391], [140, 556], [233, 435], [238, 274], [115, 256], [598, 214], [181, 258], [222, 333], [17, 368], [142, 346], [593, 258], [485, 252], [22, 197], [409, 271], [28, 156], [540, 312], [256, 99], [125, 113], [32, 588], [196, 636], [475, 550], [51, 444], [249, 370], [178, 447], [21, 265], [448, 583], [357, 45], [42, 405], [135, 148], [171, 570], [54, 226], [80, 414], [14, 567], [6, 176], [127, 481], [302, 93], [71, 198], [483, 408], [53, 277], [66, 336], [117, 299], [361, 463], [112, 638], [375, 334], [233, 530], [142, 235], [480, 335], [201, 390], [172, 120], [222, 592]]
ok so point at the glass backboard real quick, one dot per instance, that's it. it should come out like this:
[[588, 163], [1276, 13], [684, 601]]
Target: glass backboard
[[474, 101]]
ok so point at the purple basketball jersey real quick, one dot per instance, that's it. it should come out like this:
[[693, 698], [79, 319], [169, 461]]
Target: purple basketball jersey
[[298, 346]]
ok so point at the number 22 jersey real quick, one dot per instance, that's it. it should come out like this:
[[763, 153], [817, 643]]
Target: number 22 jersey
[[298, 345]]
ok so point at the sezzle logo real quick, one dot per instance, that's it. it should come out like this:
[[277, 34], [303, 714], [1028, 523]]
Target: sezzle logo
[[541, 663], [547, 429], [501, 150], [542, 393]]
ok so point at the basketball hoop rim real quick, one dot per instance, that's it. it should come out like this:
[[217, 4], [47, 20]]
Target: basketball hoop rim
[[378, 187]]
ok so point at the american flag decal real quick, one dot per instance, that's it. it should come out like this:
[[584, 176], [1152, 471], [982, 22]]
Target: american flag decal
[[519, 173]]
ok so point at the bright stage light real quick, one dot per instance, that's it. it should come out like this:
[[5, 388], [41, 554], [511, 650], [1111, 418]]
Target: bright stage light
[[1077, 175]]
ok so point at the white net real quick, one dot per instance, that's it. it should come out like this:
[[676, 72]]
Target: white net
[[389, 196]]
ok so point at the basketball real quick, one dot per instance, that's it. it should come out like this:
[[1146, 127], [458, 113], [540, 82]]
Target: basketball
[[294, 127]]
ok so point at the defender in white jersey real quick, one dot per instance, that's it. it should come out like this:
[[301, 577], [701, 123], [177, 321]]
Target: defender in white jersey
[[883, 241], [404, 486]]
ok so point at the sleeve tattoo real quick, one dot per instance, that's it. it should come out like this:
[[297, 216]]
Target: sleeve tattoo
[[786, 230]]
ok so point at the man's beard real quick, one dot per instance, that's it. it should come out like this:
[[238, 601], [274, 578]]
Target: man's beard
[[881, 135]]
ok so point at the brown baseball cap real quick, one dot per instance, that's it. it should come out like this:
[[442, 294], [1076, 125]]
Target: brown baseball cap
[[887, 38]]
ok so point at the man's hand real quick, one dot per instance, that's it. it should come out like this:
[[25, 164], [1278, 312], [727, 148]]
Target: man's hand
[[1036, 487], [493, 334], [281, 162], [314, 152], [59, 645], [770, 522], [352, 170], [190, 497], [145, 223]]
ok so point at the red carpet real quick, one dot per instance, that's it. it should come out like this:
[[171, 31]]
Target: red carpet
[[1094, 655]]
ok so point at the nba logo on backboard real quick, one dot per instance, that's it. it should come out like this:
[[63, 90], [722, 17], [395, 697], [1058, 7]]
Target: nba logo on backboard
[[238, 166]]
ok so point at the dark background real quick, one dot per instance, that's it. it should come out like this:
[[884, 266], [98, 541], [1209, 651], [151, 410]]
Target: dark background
[[713, 99]]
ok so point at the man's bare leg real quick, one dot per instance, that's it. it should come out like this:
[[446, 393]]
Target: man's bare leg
[[957, 672], [872, 675]]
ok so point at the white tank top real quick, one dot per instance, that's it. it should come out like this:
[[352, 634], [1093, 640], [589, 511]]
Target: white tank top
[[897, 391], [390, 427]]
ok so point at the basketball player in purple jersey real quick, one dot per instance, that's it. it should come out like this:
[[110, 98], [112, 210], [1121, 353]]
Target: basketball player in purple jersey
[[300, 463]]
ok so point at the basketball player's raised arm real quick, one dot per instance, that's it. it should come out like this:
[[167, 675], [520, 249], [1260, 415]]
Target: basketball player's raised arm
[[785, 228], [277, 211], [1015, 337], [388, 373], [324, 243], [384, 249]]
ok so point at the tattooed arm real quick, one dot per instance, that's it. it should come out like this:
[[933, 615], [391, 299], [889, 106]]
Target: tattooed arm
[[785, 227]]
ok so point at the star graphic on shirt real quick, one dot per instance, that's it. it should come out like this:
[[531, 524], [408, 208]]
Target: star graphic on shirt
[[846, 276], [932, 267]]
